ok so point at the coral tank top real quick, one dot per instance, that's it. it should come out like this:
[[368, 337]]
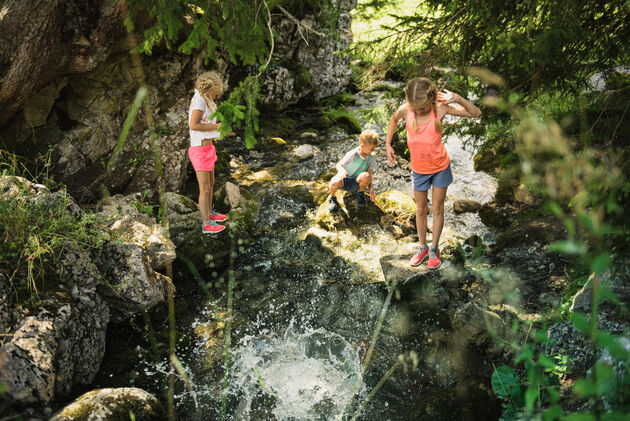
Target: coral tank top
[[428, 154]]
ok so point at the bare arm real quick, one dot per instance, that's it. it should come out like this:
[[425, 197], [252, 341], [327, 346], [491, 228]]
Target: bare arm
[[391, 129], [462, 108], [196, 124], [341, 170]]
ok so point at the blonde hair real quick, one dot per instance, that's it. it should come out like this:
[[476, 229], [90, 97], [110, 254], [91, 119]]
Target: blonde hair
[[420, 91], [210, 80], [368, 137]]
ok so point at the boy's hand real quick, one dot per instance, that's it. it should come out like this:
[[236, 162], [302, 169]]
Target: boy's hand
[[372, 194]]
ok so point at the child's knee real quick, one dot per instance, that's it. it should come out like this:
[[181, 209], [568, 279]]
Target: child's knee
[[364, 178], [336, 181], [422, 209]]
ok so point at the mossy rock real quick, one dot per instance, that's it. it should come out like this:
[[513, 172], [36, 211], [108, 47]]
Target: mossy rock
[[395, 202], [271, 126], [349, 123], [113, 405], [506, 186]]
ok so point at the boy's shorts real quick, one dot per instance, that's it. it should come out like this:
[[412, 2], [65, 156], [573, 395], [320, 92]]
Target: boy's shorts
[[350, 184], [423, 182]]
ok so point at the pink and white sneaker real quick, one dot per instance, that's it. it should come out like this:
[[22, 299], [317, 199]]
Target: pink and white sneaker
[[211, 227], [434, 259], [219, 217], [420, 256]]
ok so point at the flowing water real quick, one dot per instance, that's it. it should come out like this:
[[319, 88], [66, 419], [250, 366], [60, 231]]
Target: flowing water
[[307, 302]]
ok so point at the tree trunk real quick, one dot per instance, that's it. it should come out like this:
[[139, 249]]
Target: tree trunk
[[41, 40]]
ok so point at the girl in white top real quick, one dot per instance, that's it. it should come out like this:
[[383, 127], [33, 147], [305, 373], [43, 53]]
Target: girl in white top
[[202, 154]]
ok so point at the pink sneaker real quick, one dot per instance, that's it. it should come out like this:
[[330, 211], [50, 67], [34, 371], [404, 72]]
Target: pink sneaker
[[434, 259], [211, 227], [420, 256], [219, 217]]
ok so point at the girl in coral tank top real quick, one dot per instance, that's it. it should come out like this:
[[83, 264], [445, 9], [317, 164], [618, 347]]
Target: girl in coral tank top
[[423, 111]]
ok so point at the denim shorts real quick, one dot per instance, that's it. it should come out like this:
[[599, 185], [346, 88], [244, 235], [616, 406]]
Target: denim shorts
[[423, 182], [350, 184]]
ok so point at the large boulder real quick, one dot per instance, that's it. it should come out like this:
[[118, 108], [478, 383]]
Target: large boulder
[[124, 220], [400, 209], [210, 251], [57, 348], [131, 285], [306, 61], [113, 405]]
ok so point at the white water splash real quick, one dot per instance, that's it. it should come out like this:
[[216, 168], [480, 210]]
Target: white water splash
[[311, 375]]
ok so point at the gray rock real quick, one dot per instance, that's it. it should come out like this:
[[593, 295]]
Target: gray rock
[[478, 325], [125, 221], [465, 205], [113, 405], [210, 251], [59, 347], [131, 285], [565, 339], [305, 151]]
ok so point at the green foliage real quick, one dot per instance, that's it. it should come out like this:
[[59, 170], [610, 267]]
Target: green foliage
[[240, 110], [35, 235]]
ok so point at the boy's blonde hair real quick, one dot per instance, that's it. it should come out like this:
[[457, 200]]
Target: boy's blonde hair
[[212, 80], [420, 91], [368, 137]]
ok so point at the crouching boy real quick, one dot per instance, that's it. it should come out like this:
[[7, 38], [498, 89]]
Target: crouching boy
[[354, 171]]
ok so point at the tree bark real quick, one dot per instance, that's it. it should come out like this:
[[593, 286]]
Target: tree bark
[[41, 40]]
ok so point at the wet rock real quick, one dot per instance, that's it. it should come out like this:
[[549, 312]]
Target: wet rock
[[131, 286], [545, 230], [308, 135], [478, 325], [465, 205], [125, 221], [495, 216], [305, 151], [113, 405]]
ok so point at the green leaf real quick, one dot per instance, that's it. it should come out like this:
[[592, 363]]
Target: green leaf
[[601, 263], [579, 417], [530, 397], [612, 344], [570, 247], [504, 382], [552, 413], [584, 388], [581, 322]]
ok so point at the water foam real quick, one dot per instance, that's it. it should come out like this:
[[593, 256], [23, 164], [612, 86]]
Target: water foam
[[310, 375]]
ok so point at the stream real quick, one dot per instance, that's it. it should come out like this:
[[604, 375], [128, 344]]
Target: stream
[[306, 304]]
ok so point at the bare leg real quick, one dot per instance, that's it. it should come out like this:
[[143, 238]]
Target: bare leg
[[210, 194], [335, 184], [437, 201], [205, 193], [421, 215], [364, 179]]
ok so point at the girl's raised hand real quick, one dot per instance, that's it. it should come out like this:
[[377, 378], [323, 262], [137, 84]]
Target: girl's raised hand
[[447, 97]]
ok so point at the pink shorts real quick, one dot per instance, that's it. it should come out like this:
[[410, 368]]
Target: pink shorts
[[202, 157]]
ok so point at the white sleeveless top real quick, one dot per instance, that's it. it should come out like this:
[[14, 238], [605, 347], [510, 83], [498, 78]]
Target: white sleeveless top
[[198, 103]]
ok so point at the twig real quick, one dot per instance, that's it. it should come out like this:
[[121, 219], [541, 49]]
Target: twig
[[300, 25], [270, 36]]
